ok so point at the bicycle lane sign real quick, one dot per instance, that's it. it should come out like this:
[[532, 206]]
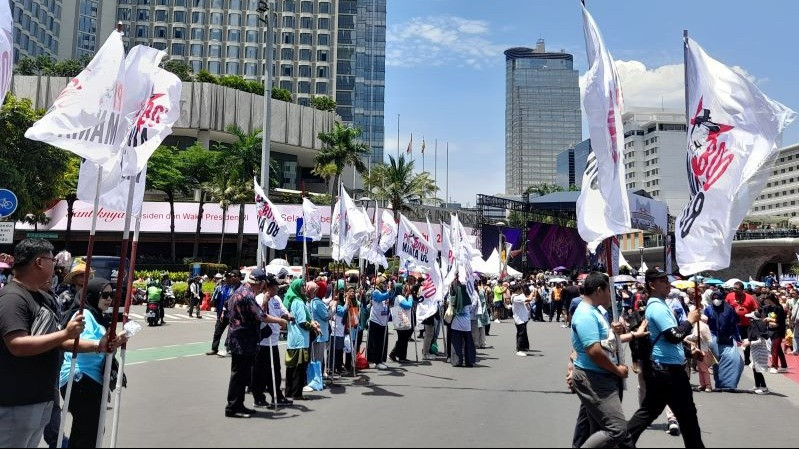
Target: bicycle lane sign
[[8, 203]]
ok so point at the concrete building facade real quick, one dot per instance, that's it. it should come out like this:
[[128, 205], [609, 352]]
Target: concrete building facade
[[780, 195]]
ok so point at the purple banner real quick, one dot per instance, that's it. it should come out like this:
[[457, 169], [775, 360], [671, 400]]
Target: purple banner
[[490, 240], [550, 246]]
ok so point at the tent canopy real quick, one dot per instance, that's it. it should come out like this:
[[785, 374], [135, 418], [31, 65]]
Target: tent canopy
[[491, 267]]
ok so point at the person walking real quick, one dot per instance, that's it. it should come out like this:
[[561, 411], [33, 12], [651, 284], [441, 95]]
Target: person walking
[[596, 375], [665, 375], [777, 321], [521, 315], [722, 320], [231, 283], [758, 341], [462, 345], [556, 308], [195, 292]]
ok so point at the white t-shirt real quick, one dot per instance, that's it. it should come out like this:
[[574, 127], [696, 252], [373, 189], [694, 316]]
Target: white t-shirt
[[521, 313], [277, 310], [338, 322]]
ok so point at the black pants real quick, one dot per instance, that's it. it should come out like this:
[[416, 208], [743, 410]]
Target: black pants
[[743, 331], [555, 308], [463, 344], [377, 351], [296, 378], [219, 329], [240, 376], [400, 350], [522, 341], [87, 395], [760, 380], [448, 338], [336, 357], [671, 387], [538, 311], [263, 373], [194, 303]]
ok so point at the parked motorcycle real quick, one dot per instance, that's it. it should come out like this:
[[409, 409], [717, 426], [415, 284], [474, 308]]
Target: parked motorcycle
[[169, 298]]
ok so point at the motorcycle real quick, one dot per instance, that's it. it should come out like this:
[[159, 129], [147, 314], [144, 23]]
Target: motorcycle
[[169, 298], [140, 296], [153, 314]]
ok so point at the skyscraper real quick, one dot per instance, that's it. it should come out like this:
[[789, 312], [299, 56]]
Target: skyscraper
[[542, 114], [60, 29]]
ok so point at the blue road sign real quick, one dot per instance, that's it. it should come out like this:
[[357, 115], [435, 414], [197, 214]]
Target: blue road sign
[[8, 203], [299, 235]]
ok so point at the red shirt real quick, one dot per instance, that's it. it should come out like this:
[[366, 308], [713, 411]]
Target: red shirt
[[748, 305]]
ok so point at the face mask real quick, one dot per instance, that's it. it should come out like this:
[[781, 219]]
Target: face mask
[[717, 302]]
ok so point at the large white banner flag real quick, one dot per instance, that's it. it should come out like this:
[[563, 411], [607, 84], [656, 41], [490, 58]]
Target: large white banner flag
[[6, 48], [87, 117], [274, 229], [603, 210], [311, 220], [348, 229], [411, 245], [733, 139], [448, 266], [433, 294], [388, 232]]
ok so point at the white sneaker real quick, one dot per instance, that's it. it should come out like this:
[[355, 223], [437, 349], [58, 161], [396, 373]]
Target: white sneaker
[[307, 389], [708, 390], [381, 366], [222, 354], [773, 370], [674, 428], [521, 354], [564, 326], [762, 391], [497, 321]]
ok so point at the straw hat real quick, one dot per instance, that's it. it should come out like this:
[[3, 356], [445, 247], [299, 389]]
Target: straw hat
[[79, 269]]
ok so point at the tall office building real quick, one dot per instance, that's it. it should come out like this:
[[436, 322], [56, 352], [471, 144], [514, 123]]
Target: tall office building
[[571, 165], [654, 155], [322, 47], [60, 29], [781, 193], [542, 114]]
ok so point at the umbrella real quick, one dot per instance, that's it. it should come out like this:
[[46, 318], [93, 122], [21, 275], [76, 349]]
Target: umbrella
[[682, 285], [712, 281], [556, 280], [561, 268], [4, 266], [623, 279], [731, 282]]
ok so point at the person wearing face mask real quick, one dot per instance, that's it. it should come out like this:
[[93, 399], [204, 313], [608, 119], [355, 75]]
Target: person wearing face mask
[[87, 389], [723, 322]]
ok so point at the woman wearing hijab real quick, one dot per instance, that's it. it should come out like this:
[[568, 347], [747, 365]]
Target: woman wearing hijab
[[298, 340], [461, 332], [377, 347], [87, 389], [401, 316], [723, 323], [758, 342]]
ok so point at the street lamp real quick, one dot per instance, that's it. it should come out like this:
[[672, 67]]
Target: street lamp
[[501, 225], [641, 250]]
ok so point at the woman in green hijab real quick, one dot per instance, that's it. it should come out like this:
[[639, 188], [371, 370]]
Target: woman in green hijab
[[298, 340]]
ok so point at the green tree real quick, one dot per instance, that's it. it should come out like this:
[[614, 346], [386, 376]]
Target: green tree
[[28, 167], [68, 190], [69, 67], [163, 174], [326, 172], [544, 188], [323, 103], [342, 149], [198, 165], [40, 65], [180, 68], [204, 76], [396, 183], [226, 189], [281, 94], [516, 220]]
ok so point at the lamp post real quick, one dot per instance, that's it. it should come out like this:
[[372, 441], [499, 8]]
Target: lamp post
[[641, 251], [264, 7]]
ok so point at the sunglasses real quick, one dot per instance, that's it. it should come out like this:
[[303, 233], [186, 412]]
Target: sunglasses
[[106, 295]]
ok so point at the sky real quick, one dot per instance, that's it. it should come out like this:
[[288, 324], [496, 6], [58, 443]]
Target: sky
[[445, 67]]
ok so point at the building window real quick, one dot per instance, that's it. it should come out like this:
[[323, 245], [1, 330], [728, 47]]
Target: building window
[[160, 33], [305, 54], [213, 67], [324, 23], [252, 20], [252, 36], [160, 15], [216, 18], [179, 32], [324, 7], [286, 69], [234, 4], [323, 71], [286, 85], [288, 38], [197, 34], [196, 66], [234, 19], [141, 15], [214, 51], [288, 21], [197, 50], [218, 4], [122, 14], [198, 17], [306, 39], [305, 71], [287, 53], [178, 50], [321, 88], [304, 87], [179, 16], [233, 52], [216, 34], [306, 22], [288, 5], [323, 39], [251, 52], [321, 55], [250, 69], [306, 6], [232, 68], [141, 31], [233, 35]]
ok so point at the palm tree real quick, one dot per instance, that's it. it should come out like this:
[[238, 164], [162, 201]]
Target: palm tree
[[326, 172], [341, 149], [396, 183], [199, 165], [227, 190], [163, 174]]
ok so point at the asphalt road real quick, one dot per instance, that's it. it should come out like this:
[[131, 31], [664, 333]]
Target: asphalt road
[[176, 398]]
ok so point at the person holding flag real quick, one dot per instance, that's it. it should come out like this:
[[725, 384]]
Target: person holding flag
[[377, 349]]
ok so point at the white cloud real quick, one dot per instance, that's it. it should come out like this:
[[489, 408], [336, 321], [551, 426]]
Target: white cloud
[[441, 40], [655, 87]]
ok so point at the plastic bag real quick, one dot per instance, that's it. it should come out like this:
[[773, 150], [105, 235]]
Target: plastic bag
[[314, 375], [347, 344]]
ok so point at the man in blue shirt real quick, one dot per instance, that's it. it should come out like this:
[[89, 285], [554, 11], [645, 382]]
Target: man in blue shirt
[[225, 290], [597, 373], [667, 382]]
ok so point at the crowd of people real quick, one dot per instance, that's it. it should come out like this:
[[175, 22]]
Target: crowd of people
[[337, 325]]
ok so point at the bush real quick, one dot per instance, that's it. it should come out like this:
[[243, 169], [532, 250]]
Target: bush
[[179, 289], [208, 287], [174, 276], [205, 77]]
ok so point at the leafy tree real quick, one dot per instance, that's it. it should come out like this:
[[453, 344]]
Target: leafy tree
[[323, 103], [204, 76], [180, 68], [163, 174], [69, 67], [544, 188], [281, 94], [516, 220], [326, 172], [28, 167], [40, 65], [198, 165], [341, 149], [227, 189], [396, 183]]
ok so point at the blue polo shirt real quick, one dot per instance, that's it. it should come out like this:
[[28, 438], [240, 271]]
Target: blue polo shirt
[[588, 327], [661, 318]]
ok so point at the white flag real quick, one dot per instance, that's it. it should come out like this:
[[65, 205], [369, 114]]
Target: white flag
[[348, 229], [274, 229], [447, 256], [87, 116], [433, 293], [733, 138], [6, 48], [311, 220], [411, 245], [388, 231], [603, 209]]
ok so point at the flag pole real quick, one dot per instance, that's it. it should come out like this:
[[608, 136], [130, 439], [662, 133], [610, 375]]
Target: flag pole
[[89, 253], [111, 334], [435, 163], [123, 353], [446, 200], [697, 299]]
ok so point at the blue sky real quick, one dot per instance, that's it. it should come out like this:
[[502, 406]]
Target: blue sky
[[445, 68]]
